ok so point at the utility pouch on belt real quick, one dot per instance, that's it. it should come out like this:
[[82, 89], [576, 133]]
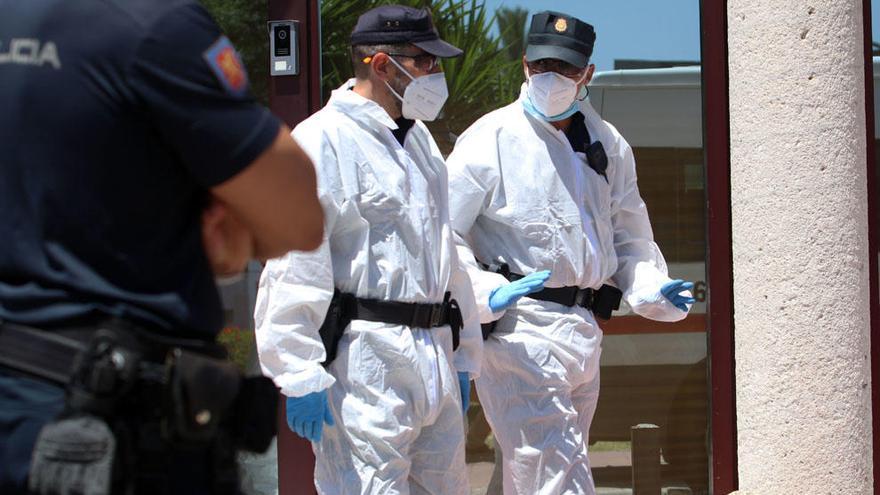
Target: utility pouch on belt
[[605, 300], [73, 455], [201, 391], [207, 393]]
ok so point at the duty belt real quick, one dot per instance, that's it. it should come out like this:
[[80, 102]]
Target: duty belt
[[43, 354], [347, 307], [184, 387], [601, 302], [566, 296], [414, 315], [52, 354]]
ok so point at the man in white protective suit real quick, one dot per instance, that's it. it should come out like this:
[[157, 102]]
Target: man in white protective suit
[[543, 194], [385, 288]]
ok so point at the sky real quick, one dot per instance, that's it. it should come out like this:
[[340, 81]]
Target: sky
[[631, 29], [875, 20]]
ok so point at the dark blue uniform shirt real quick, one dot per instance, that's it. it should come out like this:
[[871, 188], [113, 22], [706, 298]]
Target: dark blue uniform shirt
[[116, 117]]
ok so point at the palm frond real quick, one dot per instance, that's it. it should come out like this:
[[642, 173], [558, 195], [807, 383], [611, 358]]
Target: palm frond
[[512, 26], [244, 21]]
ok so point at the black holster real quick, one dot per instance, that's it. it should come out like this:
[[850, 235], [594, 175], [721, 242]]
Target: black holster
[[334, 325], [502, 269]]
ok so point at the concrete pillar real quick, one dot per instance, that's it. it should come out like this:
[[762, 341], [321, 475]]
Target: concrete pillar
[[800, 249]]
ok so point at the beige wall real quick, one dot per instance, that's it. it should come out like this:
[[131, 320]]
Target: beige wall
[[800, 246]]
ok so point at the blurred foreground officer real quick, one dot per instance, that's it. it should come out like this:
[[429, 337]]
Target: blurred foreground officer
[[544, 191], [121, 121], [361, 335]]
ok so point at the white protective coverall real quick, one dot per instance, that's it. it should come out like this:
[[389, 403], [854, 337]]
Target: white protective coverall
[[393, 390], [521, 195]]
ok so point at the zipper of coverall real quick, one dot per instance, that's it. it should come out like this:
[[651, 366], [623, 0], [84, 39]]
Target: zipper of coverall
[[437, 391]]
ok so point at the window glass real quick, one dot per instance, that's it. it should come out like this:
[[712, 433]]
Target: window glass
[[875, 187], [647, 85], [875, 37]]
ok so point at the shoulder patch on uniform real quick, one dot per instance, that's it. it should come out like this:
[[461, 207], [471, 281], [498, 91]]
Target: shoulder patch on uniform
[[226, 64]]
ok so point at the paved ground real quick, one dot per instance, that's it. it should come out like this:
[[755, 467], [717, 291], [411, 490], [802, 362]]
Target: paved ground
[[480, 473], [260, 474]]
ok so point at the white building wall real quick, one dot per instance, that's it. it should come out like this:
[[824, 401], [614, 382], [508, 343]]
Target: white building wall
[[800, 250]]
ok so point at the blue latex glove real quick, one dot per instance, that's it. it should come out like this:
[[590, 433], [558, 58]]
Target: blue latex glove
[[464, 383], [672, 290], [306, 415], [506, 295]]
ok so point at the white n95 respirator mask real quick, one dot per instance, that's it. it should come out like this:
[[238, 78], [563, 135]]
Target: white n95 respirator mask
[[552, 94], [424, 97]]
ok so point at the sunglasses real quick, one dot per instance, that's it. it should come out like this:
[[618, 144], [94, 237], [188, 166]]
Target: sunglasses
[[557, 66], [423, 61]]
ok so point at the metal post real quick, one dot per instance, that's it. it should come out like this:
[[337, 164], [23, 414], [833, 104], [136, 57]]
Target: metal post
[[645, 459]]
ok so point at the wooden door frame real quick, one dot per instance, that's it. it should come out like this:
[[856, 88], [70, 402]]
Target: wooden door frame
[[293, 98], [872, 236], [716, 143]]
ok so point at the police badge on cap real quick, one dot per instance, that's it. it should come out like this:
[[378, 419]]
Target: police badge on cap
[[560, 36]]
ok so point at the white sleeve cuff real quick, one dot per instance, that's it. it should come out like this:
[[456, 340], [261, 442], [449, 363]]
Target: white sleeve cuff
[[307, 381]]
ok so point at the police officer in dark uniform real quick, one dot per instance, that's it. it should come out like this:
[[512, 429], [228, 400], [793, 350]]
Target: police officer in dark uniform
[[122, 123]]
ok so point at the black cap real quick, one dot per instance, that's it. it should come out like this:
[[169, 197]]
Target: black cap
[[560, 36], [393, 24]]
